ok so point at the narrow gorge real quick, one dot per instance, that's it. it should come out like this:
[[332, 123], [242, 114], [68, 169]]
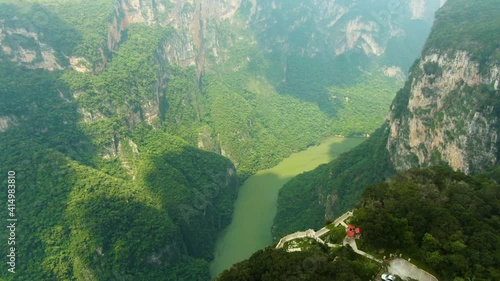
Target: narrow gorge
[[134, 125]]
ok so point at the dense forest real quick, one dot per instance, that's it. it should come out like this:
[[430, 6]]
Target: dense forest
[[432, 121], [130, 126], [112, 183], [238, 106], [317, 263], [82, 215], [445, 221], [346, 177]]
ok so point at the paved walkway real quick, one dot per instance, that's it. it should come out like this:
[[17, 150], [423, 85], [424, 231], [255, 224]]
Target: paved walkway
[[405, 269], [322, 232], [337, 222], [299, 235], [400, 267], [311, 233], [342, 218], [352, 242], [316, 236]]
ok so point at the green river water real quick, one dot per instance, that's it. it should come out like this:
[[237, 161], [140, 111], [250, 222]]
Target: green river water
[[255, 208]]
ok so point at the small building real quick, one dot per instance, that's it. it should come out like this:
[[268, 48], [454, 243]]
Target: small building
[[353, 231], [357, 233]]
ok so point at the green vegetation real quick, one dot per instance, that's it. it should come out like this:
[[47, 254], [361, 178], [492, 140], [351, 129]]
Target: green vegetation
[[303, 244], [332, 188], [310, 79], [88, 21], [255, 208], [248, 102], [96, 200], [247, 113], [306, 66], [184, 105], [472, 27], [362, 108], [111, 185], [445, 221], [127, 83], [336, 234], [255, 120], [238, 109], [234, 111], [315, 263], [79, 30], [443, 218], [451, 246]]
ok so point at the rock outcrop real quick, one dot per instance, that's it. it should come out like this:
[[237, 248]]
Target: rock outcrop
[[450, 116], [446, 114]]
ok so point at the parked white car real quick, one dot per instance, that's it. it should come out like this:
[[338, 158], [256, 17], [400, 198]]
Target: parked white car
[[388, 277]]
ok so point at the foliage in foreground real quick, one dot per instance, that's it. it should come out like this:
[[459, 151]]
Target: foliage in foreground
[[332, 188], [315, 264], [446, 219], [149, 212]]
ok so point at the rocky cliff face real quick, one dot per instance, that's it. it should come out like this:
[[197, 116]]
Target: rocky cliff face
[[423, 9], [194, 22], [210, 35], [448, 111], [200, 27], [333, 28], [23, 46], [306, 28], [449, 116]]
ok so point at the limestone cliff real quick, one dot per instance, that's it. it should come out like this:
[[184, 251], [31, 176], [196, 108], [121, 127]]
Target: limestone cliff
[[450, 115], [447, 113], [306, 28], [194, 23], [23, 46], [201, 30], [332, 28]]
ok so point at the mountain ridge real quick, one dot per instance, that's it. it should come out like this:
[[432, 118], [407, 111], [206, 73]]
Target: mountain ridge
[[123, 114], [465, 73]]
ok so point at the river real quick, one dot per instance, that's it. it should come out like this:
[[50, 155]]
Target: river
[[255, 208]]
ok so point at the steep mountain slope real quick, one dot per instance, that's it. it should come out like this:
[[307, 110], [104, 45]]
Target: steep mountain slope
[[444, 221], [111, 112], [447, 113], [315, 263], [450, 112], [150, 211], [323, 51], [443, 218], [230, 77], [309, 199]]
